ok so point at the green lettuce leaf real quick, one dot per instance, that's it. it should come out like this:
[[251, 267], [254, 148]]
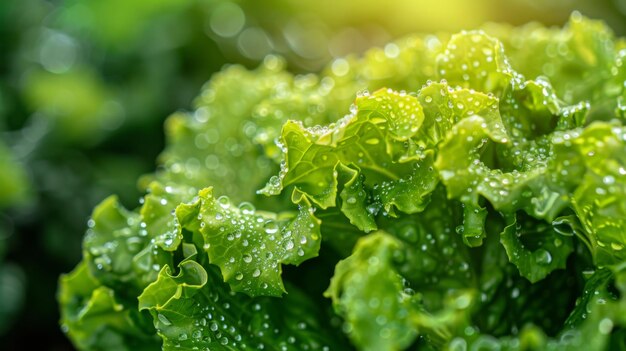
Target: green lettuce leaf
[[475, 60], [193, 309], [95, 318], [535, 248], [361, 155], [248, 246], [598, 200], [577, 58], [368, 291], [381, 310]]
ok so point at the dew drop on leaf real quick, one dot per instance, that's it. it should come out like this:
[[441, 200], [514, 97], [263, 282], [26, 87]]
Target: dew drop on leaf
[[289, 245], [224, 202], [543, 257], [164, 319], [247, 208], [270, 227]]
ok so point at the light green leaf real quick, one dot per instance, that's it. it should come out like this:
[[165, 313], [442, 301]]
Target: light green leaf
[[410, 194], [354, 198], [381, 310], [250, 246], [534, 247], [598, 200], [477, 61], [368, 292], [433, 259], [119, 249], [459, 161], [577, 58], [237, 153], [372, 141], [194, 310], [95, 318], [444, 106]]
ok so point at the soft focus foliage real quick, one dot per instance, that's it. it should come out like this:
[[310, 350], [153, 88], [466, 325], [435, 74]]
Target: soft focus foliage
[[466, 195]]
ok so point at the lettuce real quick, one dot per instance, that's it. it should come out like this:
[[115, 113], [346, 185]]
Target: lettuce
[[471, 196]]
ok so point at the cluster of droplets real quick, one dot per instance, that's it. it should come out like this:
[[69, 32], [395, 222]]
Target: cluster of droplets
[[470, 57], [214, 324], [249, 246], [136, 238], [401, 113], [435, 253], [388, 313]]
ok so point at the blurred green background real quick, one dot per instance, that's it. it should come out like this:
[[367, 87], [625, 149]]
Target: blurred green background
[[85, 86]]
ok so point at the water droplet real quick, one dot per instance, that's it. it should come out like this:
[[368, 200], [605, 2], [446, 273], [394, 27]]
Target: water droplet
[[462, 301], [164, 319], [247, 258], [605, 326], [270, 227], [247, 208], [256, 273], [224, 202], [543, 257], [239, 276], [133, 243], [608, 180], [392, 50], [515, 293], [289, 245], [464, 266]]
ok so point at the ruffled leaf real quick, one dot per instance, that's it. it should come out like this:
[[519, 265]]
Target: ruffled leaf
[[371, 142], [194, 310], [535, 247], [599, 199], [368, 292], [95, 318], [380, 309], [251, 246], [475, 60]]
